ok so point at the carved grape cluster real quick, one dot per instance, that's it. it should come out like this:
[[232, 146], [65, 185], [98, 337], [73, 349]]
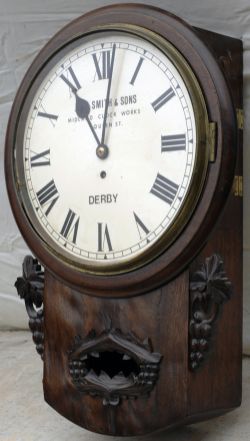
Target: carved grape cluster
[[30, 287], [77, 369], [209, 289], [36, 327], [199, 343], [148, 374]]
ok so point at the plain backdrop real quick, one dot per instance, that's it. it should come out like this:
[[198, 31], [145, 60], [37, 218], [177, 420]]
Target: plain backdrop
[[25, 26]]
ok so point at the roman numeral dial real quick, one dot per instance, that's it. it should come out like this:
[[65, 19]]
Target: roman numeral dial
[[141, 227], [104, 241], [71, 80], [164, 189], [50, 116], [47, 116], [118, 93], [102, 63], [136, 72], [48, 196], [40, 159], [173, 143], [163, 99], [70, 226]]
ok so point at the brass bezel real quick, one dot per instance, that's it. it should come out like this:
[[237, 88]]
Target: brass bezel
[[197, 181]]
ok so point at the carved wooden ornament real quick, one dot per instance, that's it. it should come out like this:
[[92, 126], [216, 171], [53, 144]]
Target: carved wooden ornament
[[209, 289], [30, 287], [113, 366]]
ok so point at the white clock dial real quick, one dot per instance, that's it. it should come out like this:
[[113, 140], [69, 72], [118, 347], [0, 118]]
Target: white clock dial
[[106, 183]]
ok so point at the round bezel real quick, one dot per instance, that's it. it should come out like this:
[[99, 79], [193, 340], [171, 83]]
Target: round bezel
[[210, 96], [197, 179]]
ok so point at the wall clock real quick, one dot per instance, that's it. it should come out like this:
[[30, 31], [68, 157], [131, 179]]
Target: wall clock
[[123, 168]]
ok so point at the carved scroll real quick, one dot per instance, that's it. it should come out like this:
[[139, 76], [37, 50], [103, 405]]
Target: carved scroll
[[30, 288], [209, 289], [113, 366]]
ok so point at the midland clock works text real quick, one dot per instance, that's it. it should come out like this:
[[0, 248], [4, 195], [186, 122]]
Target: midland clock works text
[[98, 199], [122, 102]]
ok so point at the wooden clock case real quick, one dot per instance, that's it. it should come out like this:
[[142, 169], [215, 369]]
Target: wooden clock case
[[155, 347]]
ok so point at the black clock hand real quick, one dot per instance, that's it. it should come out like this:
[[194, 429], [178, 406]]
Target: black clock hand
[[108, 94], [83, 110]]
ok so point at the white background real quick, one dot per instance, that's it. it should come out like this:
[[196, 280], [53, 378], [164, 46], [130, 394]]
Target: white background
[[25, 26]]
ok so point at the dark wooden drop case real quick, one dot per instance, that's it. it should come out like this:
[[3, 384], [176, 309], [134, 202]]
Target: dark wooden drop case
[[175, 325]]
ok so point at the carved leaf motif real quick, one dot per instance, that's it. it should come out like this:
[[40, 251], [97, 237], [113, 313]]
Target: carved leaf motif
[[211, 281]]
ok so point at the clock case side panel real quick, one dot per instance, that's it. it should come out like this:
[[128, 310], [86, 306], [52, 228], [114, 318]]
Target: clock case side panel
[[215, 388]]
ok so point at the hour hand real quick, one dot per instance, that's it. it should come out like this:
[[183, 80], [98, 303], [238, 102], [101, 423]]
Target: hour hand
[[82, 107], [83, 110]]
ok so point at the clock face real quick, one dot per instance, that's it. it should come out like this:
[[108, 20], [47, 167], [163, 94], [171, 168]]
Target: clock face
[[109, 151]]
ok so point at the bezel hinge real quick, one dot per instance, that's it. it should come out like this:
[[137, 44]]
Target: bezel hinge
[[238, 186], [212, 141], [240, 118]]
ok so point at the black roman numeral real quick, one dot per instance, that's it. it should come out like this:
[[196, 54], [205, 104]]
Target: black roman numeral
[[40, 159], [138, 67], [48, 195], [173, 143], [103, 64], [103, 237], [164, 189], [140, 226], [163, 99], [50, 116], [70, 226], [73, 85]]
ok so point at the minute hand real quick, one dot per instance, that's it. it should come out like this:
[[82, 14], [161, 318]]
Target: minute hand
[[108, 94]]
